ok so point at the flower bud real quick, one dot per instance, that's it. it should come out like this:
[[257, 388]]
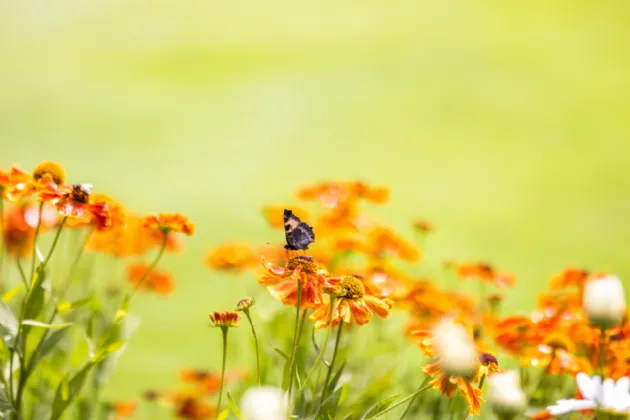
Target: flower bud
[[505, 395], [264, 403], [455, 347], [604, 301]]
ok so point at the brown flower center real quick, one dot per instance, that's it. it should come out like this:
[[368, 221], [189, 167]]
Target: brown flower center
[[307, 264], [352, 288], [52, 169], [486, 359], [79, 194], [557, 342]]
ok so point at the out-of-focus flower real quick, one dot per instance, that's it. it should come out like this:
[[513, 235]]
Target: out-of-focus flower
[[610, 396], [556, 354], [231, 257], [190, 405], [73, 201], [168, 222], [225, 319], [423, 226], [206, 381], [456, 349], [481, 271], [158, 281], [275, 214], [50, 169], [604, 301], [505, 394], [447, 385], [15, 184], [264, 403], [282, 282], [354, 303], [122, 409], [383, 241], [569, 277], [20, 224]]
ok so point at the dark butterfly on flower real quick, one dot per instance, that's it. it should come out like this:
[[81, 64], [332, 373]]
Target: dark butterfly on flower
[[299, 235]]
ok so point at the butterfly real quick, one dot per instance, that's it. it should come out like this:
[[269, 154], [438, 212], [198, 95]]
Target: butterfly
[[299, 235]]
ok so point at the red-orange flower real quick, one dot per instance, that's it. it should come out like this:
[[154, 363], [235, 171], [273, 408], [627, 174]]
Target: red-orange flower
[[556, 355], [570, 277], [206, 381], [158, 281], [190, 405], [170, 222], [282, 282], [354, 303], [231, 257], [124, 409], [74, 201], [15, 184], [482, 272], [20, 223], [448, 384], [225, 319], [275, 214]]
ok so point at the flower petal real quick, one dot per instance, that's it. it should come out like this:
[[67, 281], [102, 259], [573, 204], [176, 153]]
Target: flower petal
[[568, 406]]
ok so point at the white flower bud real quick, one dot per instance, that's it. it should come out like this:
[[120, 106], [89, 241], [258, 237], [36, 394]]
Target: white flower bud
[[505, 394], [264, 403], [456, 349], [604, 301]]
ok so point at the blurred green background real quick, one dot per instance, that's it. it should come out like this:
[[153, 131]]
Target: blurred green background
[[505, 123]]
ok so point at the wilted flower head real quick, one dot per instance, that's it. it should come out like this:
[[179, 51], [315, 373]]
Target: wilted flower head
[[50, 169], [604, 301], [245, 304], [225, 319], [264, 403], [505, 394]]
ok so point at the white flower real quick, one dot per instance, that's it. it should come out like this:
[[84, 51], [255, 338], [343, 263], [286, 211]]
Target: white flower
[[505, 393], [607, 396], [456, 349], [264, 403], [604, 301]]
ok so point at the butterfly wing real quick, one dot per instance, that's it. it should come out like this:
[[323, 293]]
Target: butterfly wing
[[298, 234]]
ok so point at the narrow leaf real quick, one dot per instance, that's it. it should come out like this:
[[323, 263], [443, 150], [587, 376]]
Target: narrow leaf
[[8, 323], [281, 353], [10, 294], [64, 307], [5, 403], [34, 300], [44, 348], [34, 323], [223, 415], [380, 407], [233, 405], [68, 391]]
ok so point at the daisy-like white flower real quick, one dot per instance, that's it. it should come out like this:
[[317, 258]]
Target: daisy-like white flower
[[609, 396]]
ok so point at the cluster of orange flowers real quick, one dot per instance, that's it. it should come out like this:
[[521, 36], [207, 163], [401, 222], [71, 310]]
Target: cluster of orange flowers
[[42, 201]]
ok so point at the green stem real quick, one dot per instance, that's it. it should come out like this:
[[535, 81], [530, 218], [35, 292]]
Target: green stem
[[54, 244], [332, 361], [323, 348], [295, 335], [224, 330], [414, 395], [152, 266], [39, 224], [251, 323], [404, 400], [602, 352], [21, 270]]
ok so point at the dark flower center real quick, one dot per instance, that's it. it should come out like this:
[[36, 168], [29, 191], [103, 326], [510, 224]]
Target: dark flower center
[[307, 264], [79, 194], [352, 288]]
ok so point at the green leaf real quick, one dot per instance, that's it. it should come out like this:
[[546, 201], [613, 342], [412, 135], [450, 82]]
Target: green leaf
[[8, 324], [68, 390], [122, 310], [281, 353], [34, 323], [49, 343], [223, 414], [5, 403], [233, 405], [378, 408], [64, 307], [34, 300], [10, 294]]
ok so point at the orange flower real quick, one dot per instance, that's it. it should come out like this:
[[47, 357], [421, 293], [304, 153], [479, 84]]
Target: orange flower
[[170, 222], [483, 272], [20, 223], [383, 241], [448, 384], [51, 170], [339, 194], [124, 409], [423, 226], [556, 355], [282, 282], [189, 405], [354, 303], [206, 381], [225, 319], [73, 201], [158, 281], [570, 277], [16, 184], [275, 214], [231, 257]]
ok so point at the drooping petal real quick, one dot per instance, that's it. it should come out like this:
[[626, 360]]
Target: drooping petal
[[360, 311], [273, 269], [472, 395], [380, 307]]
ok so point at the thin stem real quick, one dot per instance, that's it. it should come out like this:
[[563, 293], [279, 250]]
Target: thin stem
[[39, 224], [323, 348], [415, 394], [295, 335], [404, 400], [21, 270], [74, 264], [152, 266], [332, 361], [602, 352], [224, 330], [54, 244], [251, 323]]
